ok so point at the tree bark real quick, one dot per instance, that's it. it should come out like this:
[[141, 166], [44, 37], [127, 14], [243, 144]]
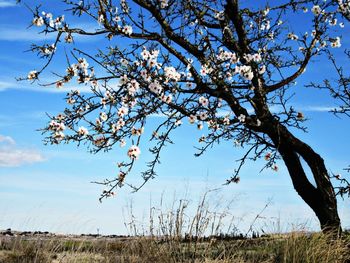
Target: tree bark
[[321, 197]]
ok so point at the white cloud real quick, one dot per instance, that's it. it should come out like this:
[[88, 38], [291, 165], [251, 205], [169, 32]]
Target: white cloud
[[306, 108], [11, 33], [22, 33], [53, 89], [6, 85], [7, 139], [7, 3], [319, 108], [12, 156], [82, 89], [17, 157], [22, 119]]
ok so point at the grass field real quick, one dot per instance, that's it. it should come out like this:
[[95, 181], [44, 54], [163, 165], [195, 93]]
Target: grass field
[[182, 233], [292, 247]]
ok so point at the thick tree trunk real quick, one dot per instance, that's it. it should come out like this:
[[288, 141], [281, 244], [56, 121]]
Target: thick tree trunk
[[321, 197]]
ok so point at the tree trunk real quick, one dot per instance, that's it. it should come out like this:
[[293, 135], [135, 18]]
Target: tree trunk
[[321, 197]]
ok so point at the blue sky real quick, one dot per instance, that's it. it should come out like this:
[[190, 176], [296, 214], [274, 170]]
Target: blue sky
[[48, 187]]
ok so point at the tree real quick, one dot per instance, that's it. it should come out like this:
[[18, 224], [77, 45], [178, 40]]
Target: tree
[[219, 64]]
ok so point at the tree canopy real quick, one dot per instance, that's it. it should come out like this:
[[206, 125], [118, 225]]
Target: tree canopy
[[227, 67]]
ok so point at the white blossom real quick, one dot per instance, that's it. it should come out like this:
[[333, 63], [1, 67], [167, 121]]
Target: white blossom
[[245, 71], [134, 152], [68, 38], [205, 69], [203, 101], [103, 116], [71, 101], [192, 119], [203, 115], [137, 132], [82, 131], [171, 74], [241, 118], [316, 9], [133, 86], [127, 30], [122, 143], [335, 42], [262, 69], [333, 22], [124, 62], [164, 4], [292, 36], [178, 122], [38, 21], [58, 136], [167, 98], [32, 75], [155, 87], [226, 120], [123, 111]]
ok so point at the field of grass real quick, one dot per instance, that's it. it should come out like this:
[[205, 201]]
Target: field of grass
[[292, 247], [181, 233]]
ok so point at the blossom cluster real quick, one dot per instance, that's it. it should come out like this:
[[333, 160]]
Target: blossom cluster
[[316, 10], [58, 128], [233, 65], [164, 4], [117, 18], [80, 70], [32, 75], [335, 42], [47, 50], [171, 74], [344, 6], [49, 20], [134, 152]]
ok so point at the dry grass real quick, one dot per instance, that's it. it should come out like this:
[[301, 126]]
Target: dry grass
[[177, 235], [294, 247]]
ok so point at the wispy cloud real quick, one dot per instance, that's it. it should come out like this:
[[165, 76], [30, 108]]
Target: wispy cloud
[[7, 139], [305, 108], [14, 33], [36, 118], [82, 89], [7, 3], [13, 156], [24, 86], [319, 108], [6, 85], [20, 32], [53, 89]]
